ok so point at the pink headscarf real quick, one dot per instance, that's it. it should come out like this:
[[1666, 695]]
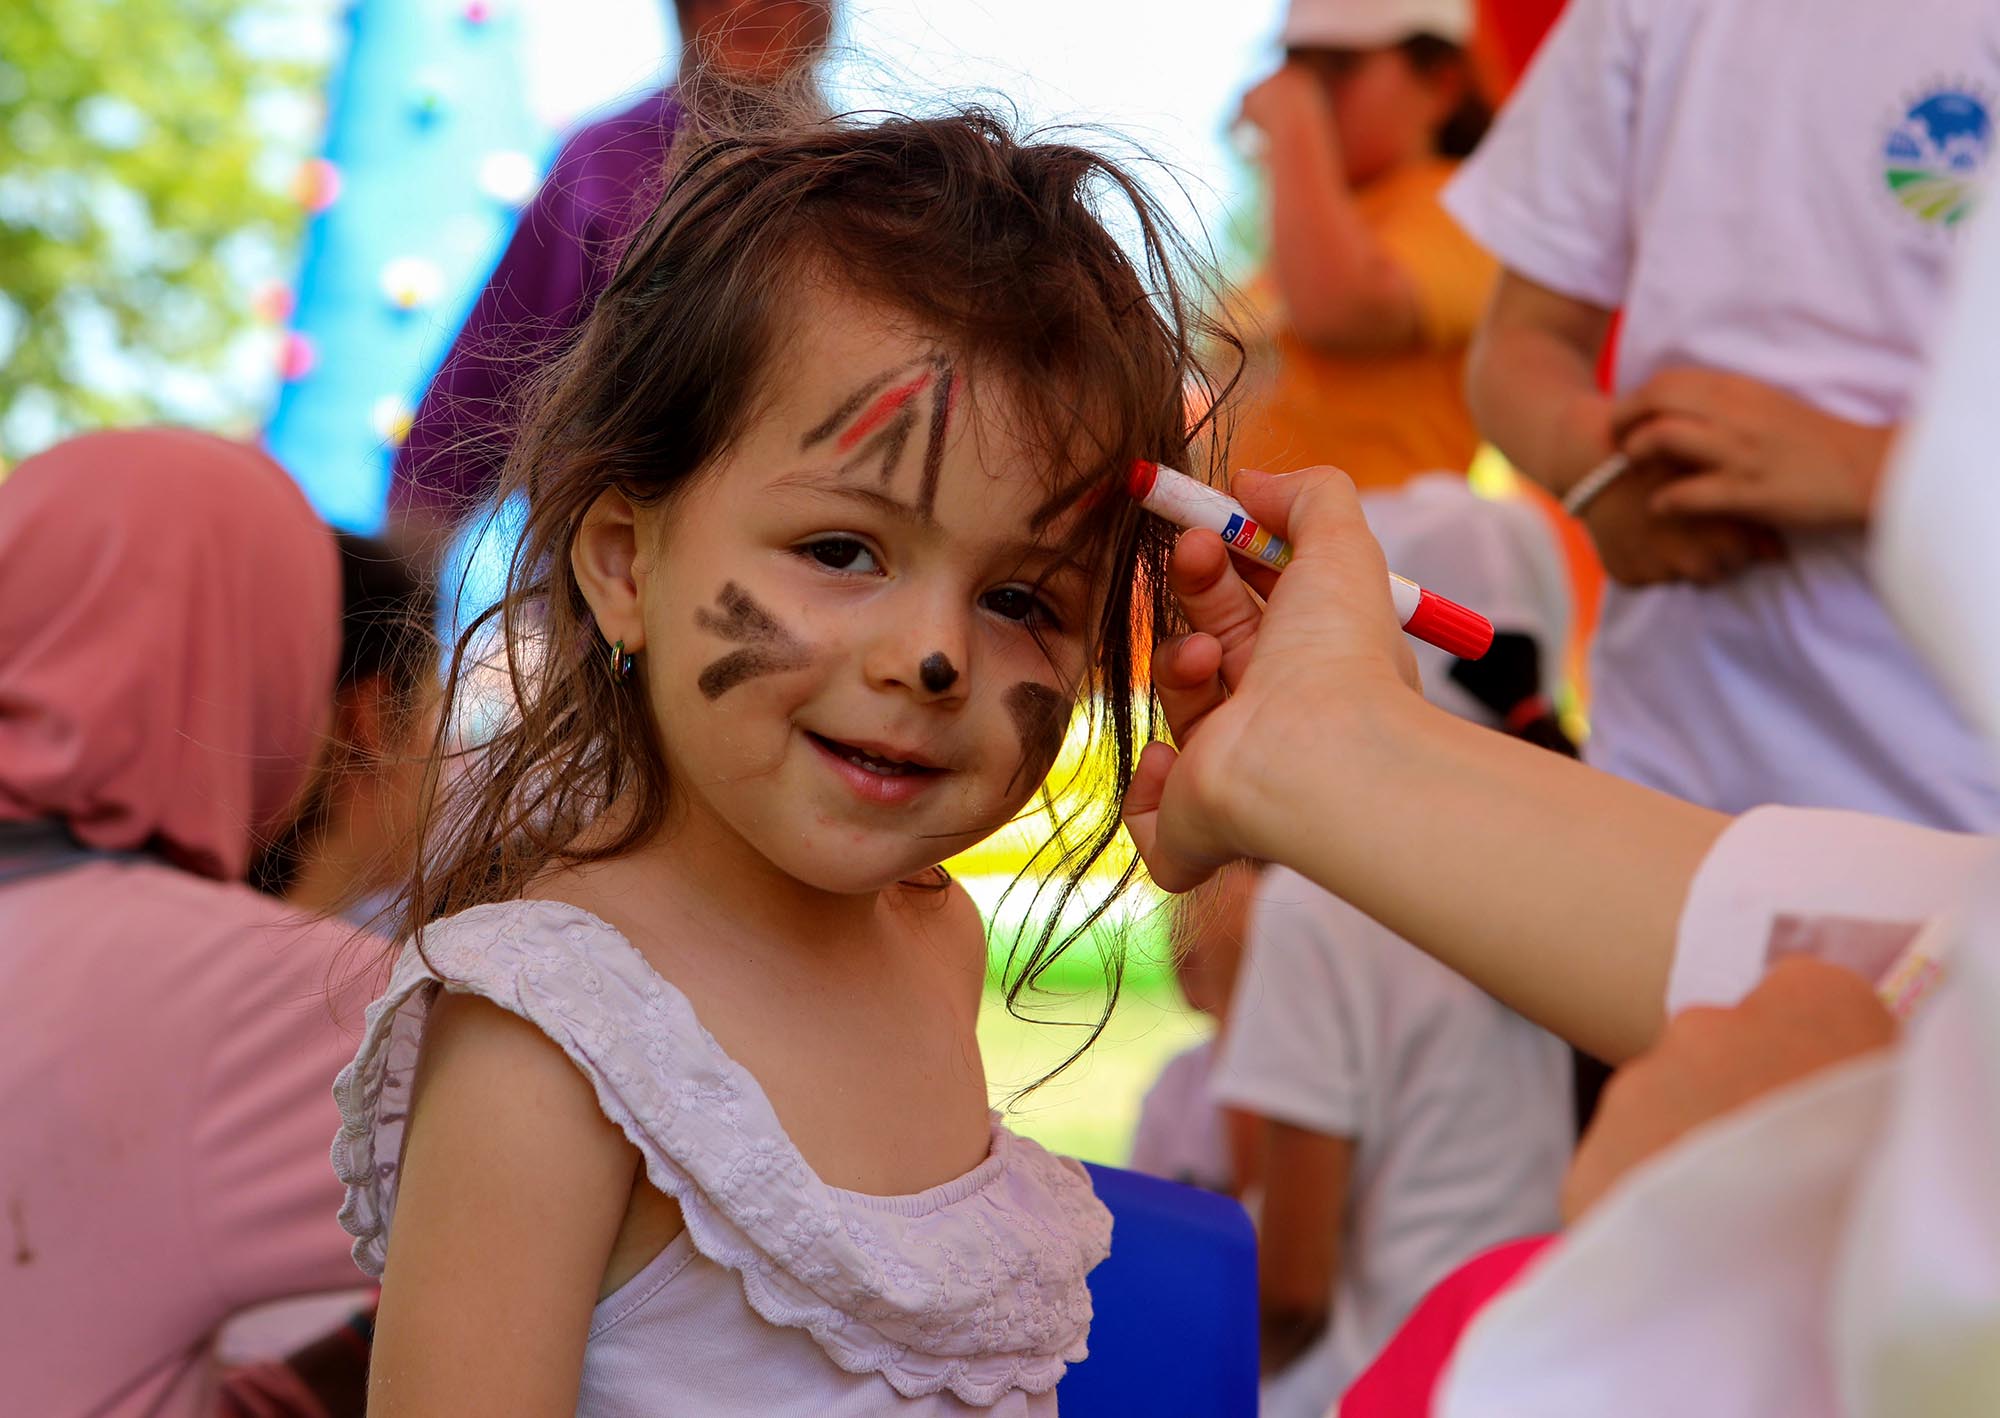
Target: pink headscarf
[[169, 626]]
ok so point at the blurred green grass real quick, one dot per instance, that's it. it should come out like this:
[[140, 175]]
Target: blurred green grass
[[1091, 1108]]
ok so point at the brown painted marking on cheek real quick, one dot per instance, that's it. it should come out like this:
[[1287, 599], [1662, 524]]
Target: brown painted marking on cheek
[[937, 672], [769, 648], [1041, 717]]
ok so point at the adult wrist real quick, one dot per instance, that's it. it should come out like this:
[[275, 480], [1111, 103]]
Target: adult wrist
[[1296, 789], [1583, 442]]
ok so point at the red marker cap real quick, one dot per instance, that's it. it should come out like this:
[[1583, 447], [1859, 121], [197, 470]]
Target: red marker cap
[[1139, 482], [1450, 626]]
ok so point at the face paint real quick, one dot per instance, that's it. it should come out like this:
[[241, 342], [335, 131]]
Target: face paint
[[941, 403], [937, 672], [875, 423], [849, 406], [772, 648], [887, 445], [1041, 717], [892, 403]]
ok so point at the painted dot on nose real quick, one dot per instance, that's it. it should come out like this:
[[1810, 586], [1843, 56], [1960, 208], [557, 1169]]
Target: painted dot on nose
[[937, 673]]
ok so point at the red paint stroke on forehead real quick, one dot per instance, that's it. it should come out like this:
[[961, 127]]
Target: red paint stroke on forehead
[[884, 408]]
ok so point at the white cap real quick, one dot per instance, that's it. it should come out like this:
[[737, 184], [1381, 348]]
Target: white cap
[[1372, 24], [1498, 556]]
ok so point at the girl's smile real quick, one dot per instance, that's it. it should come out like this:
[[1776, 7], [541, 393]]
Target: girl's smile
[[876, 772]]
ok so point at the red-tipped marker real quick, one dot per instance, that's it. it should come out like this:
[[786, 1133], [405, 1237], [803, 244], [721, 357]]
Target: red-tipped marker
[[1178, 498]]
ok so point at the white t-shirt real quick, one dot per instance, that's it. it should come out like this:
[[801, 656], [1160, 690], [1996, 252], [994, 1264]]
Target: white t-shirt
[[1767, 187], [1833, 1249], [1180, 1135], [1461, 1112]]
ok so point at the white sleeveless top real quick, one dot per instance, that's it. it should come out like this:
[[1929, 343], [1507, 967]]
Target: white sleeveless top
[[784, 1295]]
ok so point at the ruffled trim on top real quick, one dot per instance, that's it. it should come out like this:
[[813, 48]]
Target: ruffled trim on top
[[977, 1286]]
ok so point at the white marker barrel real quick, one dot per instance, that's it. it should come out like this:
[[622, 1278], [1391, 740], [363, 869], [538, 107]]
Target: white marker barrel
[[1186, 503]]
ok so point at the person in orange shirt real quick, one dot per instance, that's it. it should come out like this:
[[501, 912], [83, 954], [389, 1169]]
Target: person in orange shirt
[[1363, 314]]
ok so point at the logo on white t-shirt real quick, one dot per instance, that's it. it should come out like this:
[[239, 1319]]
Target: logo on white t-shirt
[[1935, 153]]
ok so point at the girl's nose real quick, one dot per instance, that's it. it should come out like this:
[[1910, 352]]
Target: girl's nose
[[936, 673], [925, 655]]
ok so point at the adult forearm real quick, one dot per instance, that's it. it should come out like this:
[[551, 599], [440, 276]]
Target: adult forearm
[[1556, 888], [1342, 290]]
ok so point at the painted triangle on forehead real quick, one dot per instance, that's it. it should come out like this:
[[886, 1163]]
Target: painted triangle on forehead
[[875, 422]]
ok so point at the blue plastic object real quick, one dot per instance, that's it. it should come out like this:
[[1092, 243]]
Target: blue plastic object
[[425, 97], [1174, 1326]]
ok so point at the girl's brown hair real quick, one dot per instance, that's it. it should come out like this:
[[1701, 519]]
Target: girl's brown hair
[[996, 245]]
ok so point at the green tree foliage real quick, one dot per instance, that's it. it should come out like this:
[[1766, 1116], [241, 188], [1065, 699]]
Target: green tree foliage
[[141, 189]]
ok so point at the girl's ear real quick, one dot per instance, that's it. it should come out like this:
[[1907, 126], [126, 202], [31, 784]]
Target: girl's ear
[[602, 555]]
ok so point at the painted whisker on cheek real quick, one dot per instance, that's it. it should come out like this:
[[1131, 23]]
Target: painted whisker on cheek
[[1041, 717], [769, 647]]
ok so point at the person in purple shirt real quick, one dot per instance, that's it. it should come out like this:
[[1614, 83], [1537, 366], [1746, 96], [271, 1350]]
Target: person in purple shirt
[[562, 256]]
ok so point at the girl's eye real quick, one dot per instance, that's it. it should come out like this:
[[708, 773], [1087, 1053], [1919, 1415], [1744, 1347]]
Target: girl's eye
[[842, 554], [1021, 604]]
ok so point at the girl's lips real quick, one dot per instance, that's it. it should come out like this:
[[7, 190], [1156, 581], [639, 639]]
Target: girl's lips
[[872, 777]]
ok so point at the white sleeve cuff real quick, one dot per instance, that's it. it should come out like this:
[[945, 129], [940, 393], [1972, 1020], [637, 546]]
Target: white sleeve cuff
[[1774, 862]]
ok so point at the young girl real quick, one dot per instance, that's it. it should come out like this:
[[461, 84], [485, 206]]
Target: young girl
[[1372, 291], [674, 1100]]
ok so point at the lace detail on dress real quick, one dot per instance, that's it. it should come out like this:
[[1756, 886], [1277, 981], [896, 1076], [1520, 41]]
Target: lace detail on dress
[[977, 1286]]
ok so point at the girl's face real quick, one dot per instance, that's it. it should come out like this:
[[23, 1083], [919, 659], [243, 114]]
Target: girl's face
[[1386, 113], [860, 638]]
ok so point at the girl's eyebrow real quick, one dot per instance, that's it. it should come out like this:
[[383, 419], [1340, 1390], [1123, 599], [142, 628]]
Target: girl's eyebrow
[[832, 484]]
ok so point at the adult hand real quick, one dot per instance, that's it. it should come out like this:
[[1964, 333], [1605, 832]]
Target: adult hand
[[1290, 96], [1756, 452], [1804, 1017], [1255, 685], [1642, 546]]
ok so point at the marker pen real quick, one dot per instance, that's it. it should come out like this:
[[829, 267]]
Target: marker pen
[[1187, 503], [1919, 969]]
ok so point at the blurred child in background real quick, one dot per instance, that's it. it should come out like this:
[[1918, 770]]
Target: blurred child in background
[[1372, 292], [1404, 1120], [350, 841], [1182, 1136]]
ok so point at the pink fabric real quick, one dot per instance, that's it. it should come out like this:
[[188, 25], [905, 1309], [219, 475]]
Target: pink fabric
[[1404, 1376], [268, 1391], [169, 1050], [168, 634]]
